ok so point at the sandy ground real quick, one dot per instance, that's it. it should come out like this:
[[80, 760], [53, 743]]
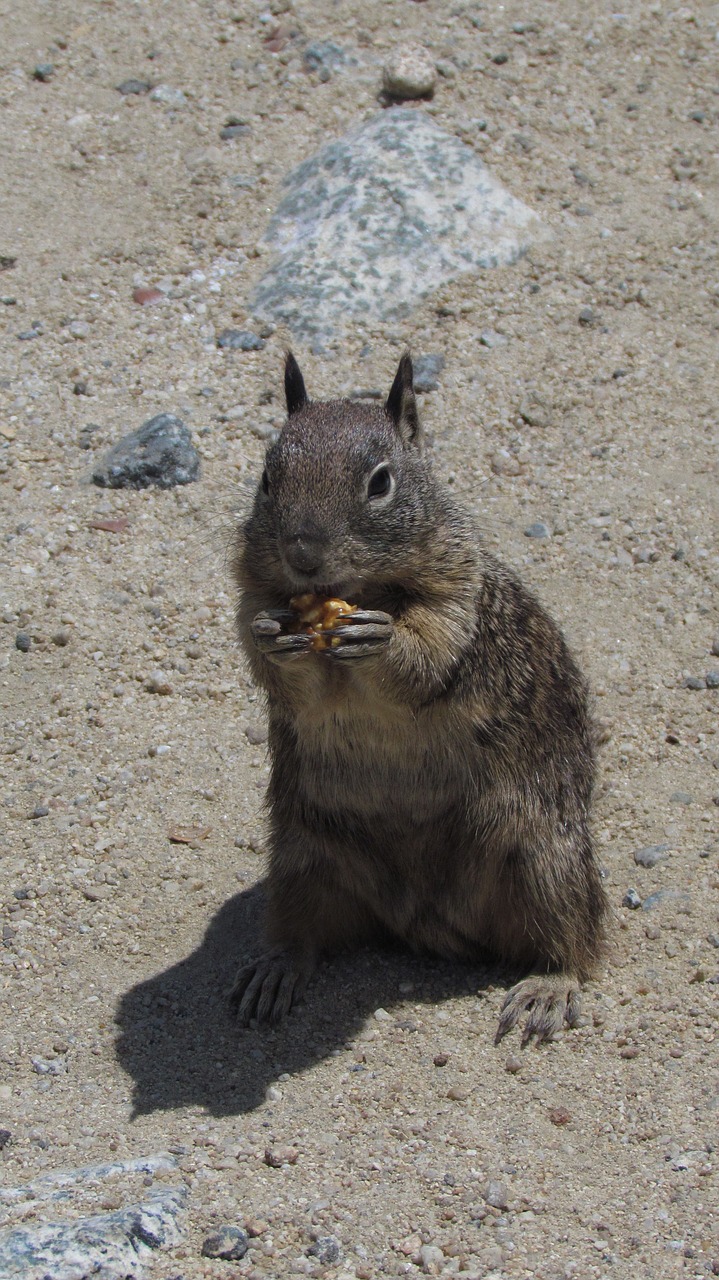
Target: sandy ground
[[119, 945]]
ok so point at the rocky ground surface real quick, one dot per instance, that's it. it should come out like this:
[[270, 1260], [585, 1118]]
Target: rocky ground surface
[[379, 1131]]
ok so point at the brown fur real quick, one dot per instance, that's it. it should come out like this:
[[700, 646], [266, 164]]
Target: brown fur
[[432, 776]]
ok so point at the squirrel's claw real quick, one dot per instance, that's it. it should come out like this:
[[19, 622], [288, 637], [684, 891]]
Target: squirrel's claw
[[550, 1000], [267, 989], [272, 641], [362, 634]]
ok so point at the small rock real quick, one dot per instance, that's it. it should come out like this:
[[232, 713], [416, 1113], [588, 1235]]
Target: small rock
[[681, 797], [409, 72], [275, 1157], [712, 679], [537, 530], [715, 647], [651, 856], [431, 1258], [587, 316], [228, 1243], [678, 898], [440, 1059], [133, 86], [426, 372], [239, 340], [534, 410], [327, 1250], [44, 71], [159, 453], [695, 682], [560, 1116], [168, 96], [632, 900], [381, 1015], [157, 682], [234, 129], [256, 734], [40, 811], [504, 463], [62, 637], [491, 339], [5, 1136], [458, 1093], [496, 1195], [513, 1064], [323, 57], [145, 295], [23, 642]]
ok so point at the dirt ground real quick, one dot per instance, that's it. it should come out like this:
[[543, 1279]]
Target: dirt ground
[[130, 712]]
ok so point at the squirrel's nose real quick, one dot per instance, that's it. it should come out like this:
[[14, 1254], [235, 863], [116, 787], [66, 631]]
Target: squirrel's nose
[[304, 555]]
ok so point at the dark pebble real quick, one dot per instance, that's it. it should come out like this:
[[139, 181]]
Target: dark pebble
[[681, 797], [81, 389], [228, 1243], [426, 372], [132, 86], [587, 316], [20, 894], [5, 1136], [536, 530], [40, 811], [239, 340], [712, 679], [28, 334], [651, 855], [695, 682], [632, 900], [715, 647], [326, 1249], [500, 59], [44, 71], [697, 116], [23, 642], [159, 453]]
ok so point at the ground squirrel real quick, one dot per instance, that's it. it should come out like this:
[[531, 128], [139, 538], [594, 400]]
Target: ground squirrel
[[432, 767]]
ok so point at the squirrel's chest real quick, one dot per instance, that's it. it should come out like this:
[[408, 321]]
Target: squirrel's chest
[[356, 751]]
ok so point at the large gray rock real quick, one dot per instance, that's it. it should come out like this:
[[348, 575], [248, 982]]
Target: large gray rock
[[159, 453], [379, 219], [110, 1246]]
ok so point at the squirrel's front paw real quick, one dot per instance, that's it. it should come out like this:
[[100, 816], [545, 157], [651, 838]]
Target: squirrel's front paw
[[270, 635], [362, 633], [267, 989]]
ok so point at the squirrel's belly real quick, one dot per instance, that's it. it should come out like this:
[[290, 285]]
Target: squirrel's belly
[[378, 765]]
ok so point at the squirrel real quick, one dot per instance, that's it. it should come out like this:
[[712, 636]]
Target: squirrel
[[431, 769]]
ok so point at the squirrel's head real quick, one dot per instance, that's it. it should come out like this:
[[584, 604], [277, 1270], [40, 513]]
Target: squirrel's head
[[346, 496]]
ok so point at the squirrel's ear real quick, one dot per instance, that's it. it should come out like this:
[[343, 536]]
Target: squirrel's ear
[[401, 404], [295, 393]]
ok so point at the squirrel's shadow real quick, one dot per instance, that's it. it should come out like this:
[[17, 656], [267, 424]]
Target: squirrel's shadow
[[181, 1045]]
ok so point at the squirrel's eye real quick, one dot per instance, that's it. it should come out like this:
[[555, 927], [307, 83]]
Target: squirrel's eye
[[265, 482], [381, 483]]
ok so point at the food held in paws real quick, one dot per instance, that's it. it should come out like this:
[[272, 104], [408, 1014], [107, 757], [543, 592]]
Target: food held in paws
[[318, 617]]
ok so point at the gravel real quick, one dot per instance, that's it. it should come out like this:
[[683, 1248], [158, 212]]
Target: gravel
[[116, 957]]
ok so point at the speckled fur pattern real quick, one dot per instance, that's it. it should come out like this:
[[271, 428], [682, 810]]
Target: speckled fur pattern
[[435, 785]]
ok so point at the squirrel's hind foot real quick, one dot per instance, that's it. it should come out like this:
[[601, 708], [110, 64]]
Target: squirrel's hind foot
[[267, 989], [550, 1001]]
